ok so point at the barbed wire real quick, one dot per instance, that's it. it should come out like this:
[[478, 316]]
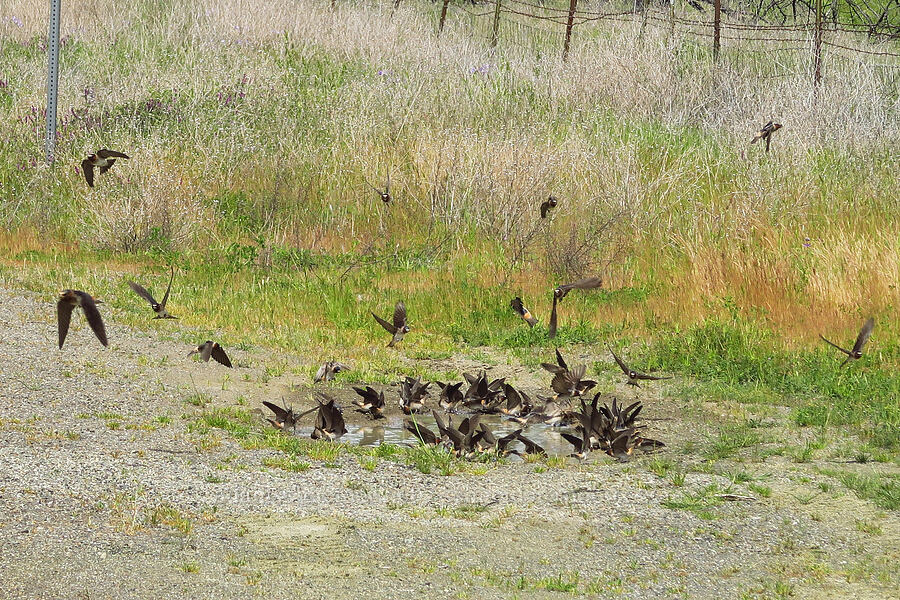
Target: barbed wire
[[702, 28]]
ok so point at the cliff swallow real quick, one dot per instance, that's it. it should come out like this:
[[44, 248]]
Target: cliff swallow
[[68, 300], [581, 444], [329, 423], [158, 307], [425, 435], [523, 312], [549, 203], [412, 395], [530, 446], [213, 349], [285, 417], [451, 395], [372, 403], [386, 192], [766, 133], [633, 376], [398, 328], [518, 404], [856, 352], [328, 370], [103, 160], [588, 283], [566, 381]]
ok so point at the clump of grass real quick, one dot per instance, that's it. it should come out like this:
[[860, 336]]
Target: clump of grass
[[286, 463], [883, 490]]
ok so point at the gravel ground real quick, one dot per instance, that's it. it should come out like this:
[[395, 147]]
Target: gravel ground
[[106, 490]]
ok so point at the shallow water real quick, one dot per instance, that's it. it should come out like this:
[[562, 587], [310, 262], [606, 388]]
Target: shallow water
[[390, 430]]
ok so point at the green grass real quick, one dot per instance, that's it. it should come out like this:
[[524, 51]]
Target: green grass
[[882, 490]]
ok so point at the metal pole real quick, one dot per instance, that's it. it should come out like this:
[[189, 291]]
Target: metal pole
[[443, 15], [572, 5], [495, 32], [52, 80], [818, 48], [717, 22]]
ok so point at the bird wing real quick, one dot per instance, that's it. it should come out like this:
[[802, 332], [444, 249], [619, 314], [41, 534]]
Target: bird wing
[[206, 351], [516, 304], [864, 334], [109, 163], [142, 292], [619, 361], [560, 361], [827, 341], [574, 440], [64, 310], [399, 315], [280, 413], [552, 333], [168, 289], [88, 169], [320, 374], [218, 353], [387, 326], [545, 206], [588, 283], [645, 377], [105, 153], [93, 317]]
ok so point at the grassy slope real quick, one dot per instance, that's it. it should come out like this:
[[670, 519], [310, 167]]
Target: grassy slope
[[253, 141]]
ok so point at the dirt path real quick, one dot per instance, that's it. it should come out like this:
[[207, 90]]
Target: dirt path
[[109, 488]]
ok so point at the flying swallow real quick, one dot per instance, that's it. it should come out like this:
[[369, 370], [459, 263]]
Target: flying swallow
[[588, 283], [547, 204], [523, 312], [103, 160], [68, 300], [372, 402], [633, 376], [766, 133], [856, 352], [328, 370], [398, 328], [566, 381], [386, 192], [158, 307], [213, 349]]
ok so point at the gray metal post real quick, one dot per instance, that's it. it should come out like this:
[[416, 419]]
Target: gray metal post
[[52, 79]]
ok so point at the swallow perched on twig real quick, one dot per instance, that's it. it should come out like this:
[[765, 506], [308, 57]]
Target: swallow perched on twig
[[372, 403], [398, 328], [67, 302], [328, 370], [633, 376], [856, 352], [516, 304], [212, 349], [158, 307], [588, 283], [386, 192], [548, 204], [766, 133], [566, 381], [103, 160]]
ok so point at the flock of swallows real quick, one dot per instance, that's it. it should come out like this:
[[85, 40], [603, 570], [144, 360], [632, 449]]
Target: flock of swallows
[[611, 429], [608, 428]]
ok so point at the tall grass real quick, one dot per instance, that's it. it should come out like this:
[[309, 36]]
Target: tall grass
[[255, 128]]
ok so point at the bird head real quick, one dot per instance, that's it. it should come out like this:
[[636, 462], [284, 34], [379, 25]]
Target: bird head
[[776, 126], [558, 293], [552, 200], [405, 329]]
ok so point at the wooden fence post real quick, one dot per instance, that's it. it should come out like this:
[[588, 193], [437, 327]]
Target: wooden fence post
[[495, 31], [572, 5], [717, 26], [817, 49], [443, 16]]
